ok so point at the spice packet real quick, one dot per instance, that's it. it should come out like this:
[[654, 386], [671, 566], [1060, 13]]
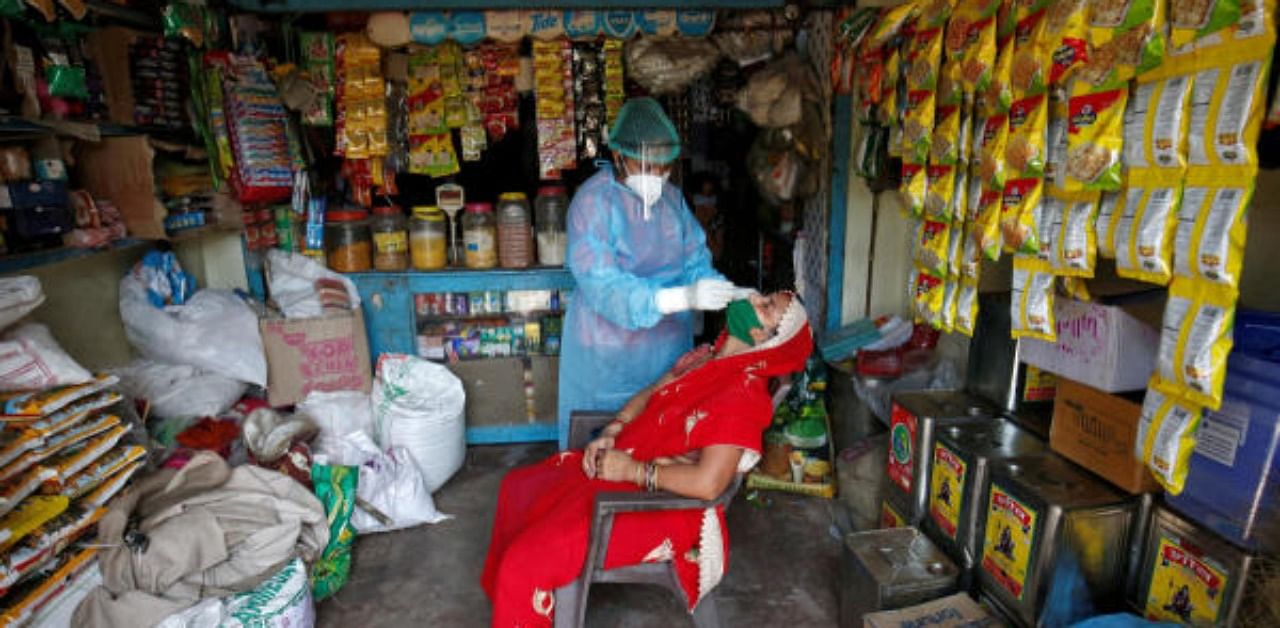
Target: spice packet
[[1167, 435], [928, 294], [1145, 231], [1076, 249], [1195, 340], [1227, 101], [1209, 243], [1021, 206], [1095, 140], [933, 250], [1156, 124], [1068, 36], [967, 306], [1109, 210], [1028, 125], [1032, 300]]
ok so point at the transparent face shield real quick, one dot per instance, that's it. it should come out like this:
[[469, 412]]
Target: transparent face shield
[[645, 168]]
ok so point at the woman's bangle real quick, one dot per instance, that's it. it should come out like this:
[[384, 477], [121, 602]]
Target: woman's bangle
[[651, 477], [639, 476]]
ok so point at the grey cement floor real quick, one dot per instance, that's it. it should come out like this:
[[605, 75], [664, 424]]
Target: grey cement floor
[[783, 564]]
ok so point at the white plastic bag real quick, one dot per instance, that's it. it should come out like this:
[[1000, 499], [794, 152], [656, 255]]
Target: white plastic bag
[[419, 405], [214, 331], [291, 277], [337, 414], [281, 601], [389, 482], [180, 391], [30, 359], [18, 297]]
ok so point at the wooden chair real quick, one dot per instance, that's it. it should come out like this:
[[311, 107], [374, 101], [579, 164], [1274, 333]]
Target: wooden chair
[[571, 599]]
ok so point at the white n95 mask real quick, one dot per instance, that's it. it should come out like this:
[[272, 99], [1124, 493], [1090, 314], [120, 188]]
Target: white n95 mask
[[649, 187]]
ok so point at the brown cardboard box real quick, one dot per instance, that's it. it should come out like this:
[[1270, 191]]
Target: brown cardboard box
[[119, 169], [1096, 430], [956, 611], [315, 354]]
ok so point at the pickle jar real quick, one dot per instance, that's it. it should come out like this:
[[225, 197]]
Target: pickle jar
[[479, 235], [390, 239], [348, 241], [428, 235]]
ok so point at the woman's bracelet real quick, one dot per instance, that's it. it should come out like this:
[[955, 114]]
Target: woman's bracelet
[[639, 478], [650, 477]]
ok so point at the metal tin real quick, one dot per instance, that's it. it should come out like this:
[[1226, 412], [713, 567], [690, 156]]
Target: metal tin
[[995, 368], [958, 478], [1190, 575], [915, 418], [891, 569], [894, 508], [1046, 525]]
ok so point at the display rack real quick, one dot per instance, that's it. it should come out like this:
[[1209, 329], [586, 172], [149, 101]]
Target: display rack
[[495, 386]]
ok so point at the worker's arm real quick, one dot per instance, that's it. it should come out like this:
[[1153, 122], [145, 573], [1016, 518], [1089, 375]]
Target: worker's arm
[[706, 478]]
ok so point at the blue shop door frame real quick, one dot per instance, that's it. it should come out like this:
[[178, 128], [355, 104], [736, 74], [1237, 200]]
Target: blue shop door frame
[[842, 148]]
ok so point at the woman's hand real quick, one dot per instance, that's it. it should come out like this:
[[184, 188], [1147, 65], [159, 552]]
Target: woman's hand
[[618, 466], [592, 452]]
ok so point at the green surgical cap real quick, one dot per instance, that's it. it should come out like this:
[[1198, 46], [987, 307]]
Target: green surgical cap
[[644, 132]]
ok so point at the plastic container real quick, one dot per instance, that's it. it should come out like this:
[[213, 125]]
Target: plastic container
[[348, 241], [515, 232], [390, 239], [428, 238], [550, 209], [479, 236]]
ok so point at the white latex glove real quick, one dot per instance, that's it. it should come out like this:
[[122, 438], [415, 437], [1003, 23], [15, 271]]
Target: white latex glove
[[705, 294]]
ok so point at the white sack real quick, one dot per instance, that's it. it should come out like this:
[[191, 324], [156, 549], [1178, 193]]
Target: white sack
[[18, 297], [419, 405], [30, 359], [337, 415], [389, 482], [291, 278], [180, 391], [281, 601]]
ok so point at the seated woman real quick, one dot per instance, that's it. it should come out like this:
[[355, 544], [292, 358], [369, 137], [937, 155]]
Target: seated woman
[[688, 434]]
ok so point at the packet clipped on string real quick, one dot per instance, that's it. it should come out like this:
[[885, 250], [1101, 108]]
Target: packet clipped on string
[[933, 248], [1156, 124], [1190, 20], [990, 151], [1068, 35], [940, 184], [1095, 140], [1144, 233], [1028, 128], [1166, 435], [1209, 243], [967, 306], [1227, 101], [1032, 299], [971, 39], [1110, 207], [913, 188], [1195, 340], [1020, 208], [1031, 66], [1076, 249]]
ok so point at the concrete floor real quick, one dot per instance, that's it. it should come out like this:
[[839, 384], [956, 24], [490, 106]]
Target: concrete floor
[[783, 564]]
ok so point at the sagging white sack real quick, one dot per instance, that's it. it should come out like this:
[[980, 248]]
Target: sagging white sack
[[215, 331], [336, 414], [180, 391], [30, 359], [281, 601], [419, 405], [291, 278], [18, 297]]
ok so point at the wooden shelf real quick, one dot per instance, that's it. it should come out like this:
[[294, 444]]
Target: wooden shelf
[[19, 262]]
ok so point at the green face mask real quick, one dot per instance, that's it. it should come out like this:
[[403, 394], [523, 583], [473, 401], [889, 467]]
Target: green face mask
[[741, 318]]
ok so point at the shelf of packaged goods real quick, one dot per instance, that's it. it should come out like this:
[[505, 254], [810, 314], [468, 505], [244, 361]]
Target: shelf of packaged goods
[[20, 262], [14, 128]]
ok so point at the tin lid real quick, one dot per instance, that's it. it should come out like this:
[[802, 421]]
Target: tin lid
[[1051, 481], [512, 196], [901, 558], [993, 439], [428, 212], [479, 208], [346, 215], [944, 404]]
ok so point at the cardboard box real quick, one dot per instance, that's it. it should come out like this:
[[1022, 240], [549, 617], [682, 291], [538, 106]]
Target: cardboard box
[[315, 354], [1102, 346], [119, 169], [954, 611], [1096, 430]]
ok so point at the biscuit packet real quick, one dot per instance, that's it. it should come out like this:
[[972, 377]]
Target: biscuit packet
[[989, 151], [917, 125], [1076, 248], [1032, 300], [1227, 102], [933, 247], [1068, 33], [1209, 243], [1166, 435], [1195, 340], [1095, 140], [890, 25], [912, 188], [971, 40], [949, 292], [1048, 226], [998, 95], [1030, 68], [966, 316], [940, 183], [1190, 20], [955, 248], [928, 294], [1144, 234], [947, 140], [1109, 208], [1056, 146], [1126, 38], [1156, 122], [1024, 155], [31, 405], [1020, 208], [987, 234]]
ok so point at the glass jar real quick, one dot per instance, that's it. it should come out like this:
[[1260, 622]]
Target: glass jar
[[515, 238], [479, 236], [550, 208], [390, 239], [348, 242], [428, 235]]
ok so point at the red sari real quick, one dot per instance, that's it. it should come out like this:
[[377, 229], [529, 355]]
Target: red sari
[[540, 530]]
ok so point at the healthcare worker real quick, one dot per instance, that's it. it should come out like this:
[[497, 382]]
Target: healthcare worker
[[641, 264]]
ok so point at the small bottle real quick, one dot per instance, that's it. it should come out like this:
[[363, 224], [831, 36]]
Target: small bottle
[[479, 236]]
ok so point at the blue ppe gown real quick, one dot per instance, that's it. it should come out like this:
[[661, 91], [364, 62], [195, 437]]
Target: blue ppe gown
[[615, 341]]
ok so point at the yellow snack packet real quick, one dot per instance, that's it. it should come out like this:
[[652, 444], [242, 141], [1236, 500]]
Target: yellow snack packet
[[31, 405], [917, 125], [970, 253], [1048, 227], [1076, 248], [971, 40], [940, 192], [1028, 124], [1256, 27], [913, 187], [1110, 207], [1021, 207], [1126, 38], [1068, 35], [1144, 233], [967, 306], [1209, 243], [891, 21], [1227, 103], [949, 292], [29, 515], [987, 230], [928, 293], [955, 248], [950, 88], [1076, 289], [1156, 122], [990, 151], [1195, 340], [1095, 139], [947, 139], [1167, 435], [933, 247], [1032, 300], [1190, 20], [998, 94], [1030, 68]]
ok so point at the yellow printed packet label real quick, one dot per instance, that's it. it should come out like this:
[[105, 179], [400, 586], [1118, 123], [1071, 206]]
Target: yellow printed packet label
[[993, 139], [1095, 139], [1145, 229], [929, 293], [1166, 435], [913, 187], [1068, 38], [987, 231], [1032, 299], [967, 306], [1190, 20], [1209, 243], [1030, 67], [1156, 123], [971, 40], [1075, 248], [940, 184], [1186, 585], [917, 125], [932, 252], [1227, 103], [1126, 39], [945, 144], [1028, 124], [998, 94], [1195, 339], [1018, 215]]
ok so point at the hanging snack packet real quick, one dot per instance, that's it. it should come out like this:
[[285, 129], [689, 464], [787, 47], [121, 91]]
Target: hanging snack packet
[[1167, 435], [955, 248], [912, 188], [971, 38], [1126, 39], [1048, 226], [944, 147], [998, 94], [987, 231], [1105, 225], [1196, 338], [1068, 35], [1156, 123], [967, 306], [949, 290], [990, 151], [1030, 69], [1209, 243], [1190, 20], [917, 125], [1095, 139], [970, 253], [932, 254], [1032, 300], [1256, 24], [1144, 242], [1056, 145], [1076, 289], [890, 24], [924, 58], [941, 183], [1028, 126], [1021, 206], [1076, 250], [1226, 111], [928, 293], [950, 89]]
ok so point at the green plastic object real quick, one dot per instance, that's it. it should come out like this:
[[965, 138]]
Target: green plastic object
[[66, 81], [335, 486], [644, 132]]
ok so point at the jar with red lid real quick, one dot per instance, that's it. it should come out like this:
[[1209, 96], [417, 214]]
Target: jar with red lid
[[348, 241]]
